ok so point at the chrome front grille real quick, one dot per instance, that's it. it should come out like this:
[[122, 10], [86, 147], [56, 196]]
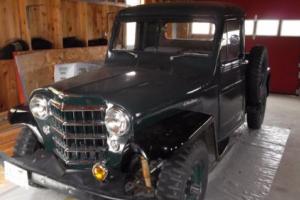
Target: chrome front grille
[[79, 134]]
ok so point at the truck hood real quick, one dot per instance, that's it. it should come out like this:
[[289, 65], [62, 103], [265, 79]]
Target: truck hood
[[139, 90]]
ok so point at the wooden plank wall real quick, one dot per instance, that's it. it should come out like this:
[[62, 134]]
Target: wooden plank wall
[[52, 20], [8, 85], [70, 18], [55, 19], [8, 136], [9, 21]]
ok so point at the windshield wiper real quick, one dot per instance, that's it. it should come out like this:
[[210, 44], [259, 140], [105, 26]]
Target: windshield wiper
[[189, 54]]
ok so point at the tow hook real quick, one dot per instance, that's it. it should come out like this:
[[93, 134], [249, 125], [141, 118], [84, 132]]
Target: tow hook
[[145, 166], [146, 172]]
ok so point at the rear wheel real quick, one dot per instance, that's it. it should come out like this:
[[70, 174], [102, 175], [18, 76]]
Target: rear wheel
[[185, 175], [26, 143], [257, 86]]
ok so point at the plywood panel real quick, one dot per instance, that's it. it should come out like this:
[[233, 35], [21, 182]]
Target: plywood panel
[[8, 86], [37, 68]]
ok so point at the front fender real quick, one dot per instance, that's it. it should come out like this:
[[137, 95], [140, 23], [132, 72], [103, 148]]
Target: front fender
[[206, 133], [161, 139]]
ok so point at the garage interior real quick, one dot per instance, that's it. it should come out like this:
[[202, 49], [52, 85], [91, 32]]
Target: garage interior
[[38, 36]]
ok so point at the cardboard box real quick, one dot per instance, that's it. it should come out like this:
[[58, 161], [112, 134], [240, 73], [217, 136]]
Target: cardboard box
[[69, 70]]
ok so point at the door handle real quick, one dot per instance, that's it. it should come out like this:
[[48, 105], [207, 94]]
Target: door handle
[[244, 62]]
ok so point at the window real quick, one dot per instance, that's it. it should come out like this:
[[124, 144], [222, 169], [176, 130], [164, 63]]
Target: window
[[163, 36], [223, 51], [179, 37], [130, 34], [231, 42], [127, 36], [190, 31], [249, 27], [267, 27], [203, 28], [290, 28], [130, 30], [134, 2]]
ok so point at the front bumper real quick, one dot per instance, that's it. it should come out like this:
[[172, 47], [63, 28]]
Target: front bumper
[[45, 170]]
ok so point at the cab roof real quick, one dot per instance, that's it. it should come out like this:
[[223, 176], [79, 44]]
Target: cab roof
[[213, 9]]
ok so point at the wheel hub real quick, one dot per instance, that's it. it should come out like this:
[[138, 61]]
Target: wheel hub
[[194, 184]]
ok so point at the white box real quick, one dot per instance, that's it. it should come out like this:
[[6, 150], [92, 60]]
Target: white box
[[16, 175], [69, 70]]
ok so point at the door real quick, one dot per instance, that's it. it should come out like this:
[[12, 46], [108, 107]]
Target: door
[[231, 78]]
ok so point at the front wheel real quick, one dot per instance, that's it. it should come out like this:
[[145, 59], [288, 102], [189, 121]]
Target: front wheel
[[26, 143], [184, 177]]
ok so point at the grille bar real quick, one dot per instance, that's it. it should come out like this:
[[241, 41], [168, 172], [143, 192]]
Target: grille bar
[[89, 136], [70, 108], [79, 134], [79, 149], [74, 163], [78, 123]]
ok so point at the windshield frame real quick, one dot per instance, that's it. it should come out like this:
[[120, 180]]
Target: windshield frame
[[163, 20]]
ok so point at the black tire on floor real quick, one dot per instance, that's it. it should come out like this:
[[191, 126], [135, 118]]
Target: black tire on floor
[[26, 143], [257, 86], [185, 175]]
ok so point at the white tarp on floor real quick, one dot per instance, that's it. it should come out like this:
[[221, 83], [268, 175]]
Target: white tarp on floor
[[245, 173], [248, 170]]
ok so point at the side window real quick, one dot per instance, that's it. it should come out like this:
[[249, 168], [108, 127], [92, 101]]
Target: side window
[[231, 42], [126, 39], [223, 52]]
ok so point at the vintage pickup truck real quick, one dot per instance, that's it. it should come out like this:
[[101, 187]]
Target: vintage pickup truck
[[175, 85]]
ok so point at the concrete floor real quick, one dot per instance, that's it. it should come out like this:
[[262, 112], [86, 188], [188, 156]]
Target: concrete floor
[[282, 111]]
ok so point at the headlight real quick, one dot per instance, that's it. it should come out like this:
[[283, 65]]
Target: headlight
[[117, 121], [39, 107]]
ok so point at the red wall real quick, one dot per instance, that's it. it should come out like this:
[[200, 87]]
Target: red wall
[[284, 52]]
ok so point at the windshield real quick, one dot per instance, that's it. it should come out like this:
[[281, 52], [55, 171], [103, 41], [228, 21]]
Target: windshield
[[165, 36]]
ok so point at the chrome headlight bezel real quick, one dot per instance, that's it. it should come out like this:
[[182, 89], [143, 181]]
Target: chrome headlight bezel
[[117, 121], [39, 107]]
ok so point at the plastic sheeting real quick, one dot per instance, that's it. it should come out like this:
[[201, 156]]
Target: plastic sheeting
[[246, 172], [248, 169]]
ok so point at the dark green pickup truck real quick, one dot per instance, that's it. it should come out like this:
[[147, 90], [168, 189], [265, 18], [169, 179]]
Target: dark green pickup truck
[[175, 85]]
